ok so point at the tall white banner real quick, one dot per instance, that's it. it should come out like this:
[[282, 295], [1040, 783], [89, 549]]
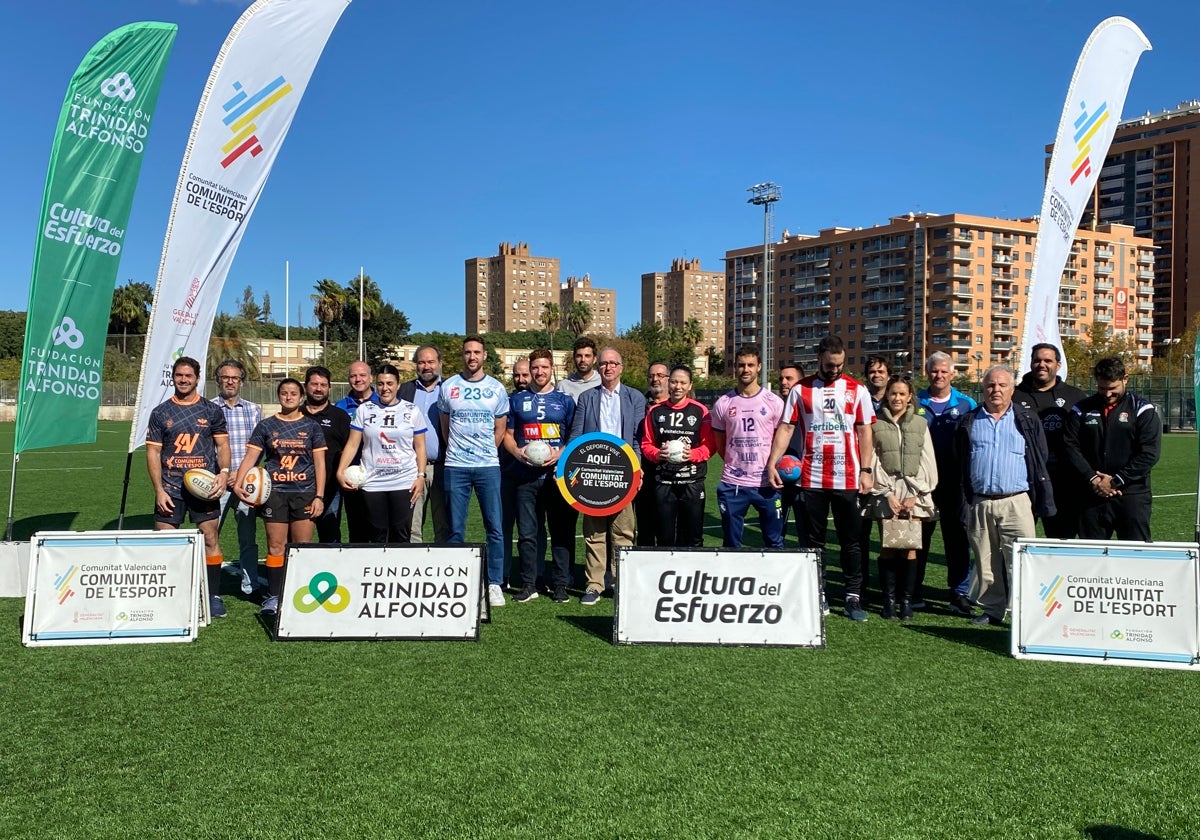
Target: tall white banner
[[257, 81], [1085, 131]]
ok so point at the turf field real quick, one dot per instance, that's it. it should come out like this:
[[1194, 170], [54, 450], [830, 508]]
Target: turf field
[[543, 728]]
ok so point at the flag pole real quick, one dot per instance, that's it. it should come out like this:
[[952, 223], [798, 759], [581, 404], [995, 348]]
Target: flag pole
[[360, 313], [12, 489], [287, 303]]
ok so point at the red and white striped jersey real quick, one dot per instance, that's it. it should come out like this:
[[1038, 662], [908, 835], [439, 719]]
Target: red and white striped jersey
[[828, 413]]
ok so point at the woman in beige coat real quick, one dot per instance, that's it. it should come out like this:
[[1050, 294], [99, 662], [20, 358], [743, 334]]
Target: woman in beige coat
[[904, 473]]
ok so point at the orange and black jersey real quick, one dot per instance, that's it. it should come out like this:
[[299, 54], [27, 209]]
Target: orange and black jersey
[[290, 447], [688, 420], [186, 432]]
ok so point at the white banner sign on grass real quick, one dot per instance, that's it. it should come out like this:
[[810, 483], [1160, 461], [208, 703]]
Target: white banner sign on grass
[[381, 592], [1114, 603], [719, 597], [113, 587]]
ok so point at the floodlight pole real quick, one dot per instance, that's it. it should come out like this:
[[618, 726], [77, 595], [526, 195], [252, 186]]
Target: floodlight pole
[[766, 194]]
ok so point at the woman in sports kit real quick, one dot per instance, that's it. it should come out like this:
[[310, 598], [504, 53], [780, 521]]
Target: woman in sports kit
[[292, 445], [392, 436]]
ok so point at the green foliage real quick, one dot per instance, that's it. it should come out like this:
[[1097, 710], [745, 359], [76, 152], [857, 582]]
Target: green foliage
[[663, 344], [12, 334], [875, 737], [234, 338], [1097, 343], [249, 310]]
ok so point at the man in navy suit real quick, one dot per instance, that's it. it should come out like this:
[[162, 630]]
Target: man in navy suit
[[617, 410]]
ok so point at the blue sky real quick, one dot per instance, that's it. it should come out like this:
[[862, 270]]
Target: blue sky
[[615, 136]]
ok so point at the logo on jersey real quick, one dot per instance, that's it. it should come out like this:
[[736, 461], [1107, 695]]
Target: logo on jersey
[[454, 392]]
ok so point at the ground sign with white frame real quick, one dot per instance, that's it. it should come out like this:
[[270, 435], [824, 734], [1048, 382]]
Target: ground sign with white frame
[[727, 596], [113, 587], [1110, 603], [381, 592]]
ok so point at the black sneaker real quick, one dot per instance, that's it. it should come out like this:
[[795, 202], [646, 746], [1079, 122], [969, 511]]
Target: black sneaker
[[526, 594], [854, 610], [560, 595], [984, 620], [961, 605]]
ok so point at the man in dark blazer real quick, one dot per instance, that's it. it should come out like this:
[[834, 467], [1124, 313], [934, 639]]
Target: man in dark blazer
[[618, 410]]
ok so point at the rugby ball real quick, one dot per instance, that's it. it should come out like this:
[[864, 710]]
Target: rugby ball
[[788, 468], [256, 484], [674, 451], [199, 483], [356, 475], [537, 452]]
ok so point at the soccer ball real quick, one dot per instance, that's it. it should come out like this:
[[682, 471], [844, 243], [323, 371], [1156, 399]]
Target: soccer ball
[[356, 475], [256, 484], [674, 451], [537, 452], [788, 468], [199, 483]]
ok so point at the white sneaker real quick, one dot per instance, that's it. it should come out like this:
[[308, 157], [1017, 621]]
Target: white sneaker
[[247, 586], [495, 595]]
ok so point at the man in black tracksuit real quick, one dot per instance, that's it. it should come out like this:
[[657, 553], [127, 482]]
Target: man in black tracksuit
[[1113, 440], [1043, 391]]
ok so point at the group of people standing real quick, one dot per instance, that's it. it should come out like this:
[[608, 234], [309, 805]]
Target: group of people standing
[[391, 454]]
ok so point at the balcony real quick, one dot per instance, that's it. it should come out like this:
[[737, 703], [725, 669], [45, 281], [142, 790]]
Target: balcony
[[1145, 306], [1104, 286], [961, 236], [961, 273], [1002, 344], [961, 308], [1000, 295], [1145, 352], [962, 290], [1145, 258], [1145, 291], [1145, 274], [1103, 317], [1104, 301], [1070, 281], [1145, 322], [1104, 270], [1001, 259], [1104, 253], [1004, 241], [962, 255], [1002, 328]]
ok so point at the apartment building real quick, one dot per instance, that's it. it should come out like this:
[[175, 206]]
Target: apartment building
[[507, 292], [602, 302], [686, 291], [924, 282]]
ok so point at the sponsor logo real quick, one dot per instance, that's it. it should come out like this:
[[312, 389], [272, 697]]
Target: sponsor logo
[[322, 591], [67, 333], [241, 110], [1047, 593], [63, 584], [1086, 126], [119, 86]]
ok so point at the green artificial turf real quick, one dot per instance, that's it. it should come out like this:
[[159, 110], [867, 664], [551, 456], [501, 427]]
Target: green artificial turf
[[544, 728]]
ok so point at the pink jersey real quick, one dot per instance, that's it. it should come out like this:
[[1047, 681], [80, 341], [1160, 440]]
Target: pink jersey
[[748, 424], [828, 413]]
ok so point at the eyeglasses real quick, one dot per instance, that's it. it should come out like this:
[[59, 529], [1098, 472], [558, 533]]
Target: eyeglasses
[[230, 378], [609, 364]]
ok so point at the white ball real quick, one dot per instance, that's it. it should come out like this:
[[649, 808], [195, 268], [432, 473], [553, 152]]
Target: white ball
[[256, 484], [674, 450], [356, 475], [537, 452]]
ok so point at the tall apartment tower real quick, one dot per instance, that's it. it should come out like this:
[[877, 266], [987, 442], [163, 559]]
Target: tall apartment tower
[[507, 292], [602, 302], [1147, 179], [926, 282], [686, 291]]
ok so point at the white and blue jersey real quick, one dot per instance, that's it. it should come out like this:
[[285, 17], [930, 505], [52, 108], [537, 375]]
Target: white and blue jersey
[[472, 407], [546, 417]]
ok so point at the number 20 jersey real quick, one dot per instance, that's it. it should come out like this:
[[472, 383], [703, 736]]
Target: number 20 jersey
[[828, 413]]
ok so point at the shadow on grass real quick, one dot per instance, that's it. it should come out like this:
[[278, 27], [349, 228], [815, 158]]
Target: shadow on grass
[[1116, 832], [984, 638], [25, 528], [600, 626], [136, 522]]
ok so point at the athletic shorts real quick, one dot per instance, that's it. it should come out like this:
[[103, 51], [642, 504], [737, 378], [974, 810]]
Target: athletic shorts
[[287, 507], [201, 510]]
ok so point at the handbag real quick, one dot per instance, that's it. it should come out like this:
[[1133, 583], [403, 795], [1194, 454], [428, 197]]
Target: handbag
[[901, 533]]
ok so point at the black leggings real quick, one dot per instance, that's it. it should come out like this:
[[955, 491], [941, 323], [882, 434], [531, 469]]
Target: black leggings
[[389, 514]]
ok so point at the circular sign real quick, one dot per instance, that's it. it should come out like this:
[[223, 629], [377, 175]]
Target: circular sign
[[598, 474]]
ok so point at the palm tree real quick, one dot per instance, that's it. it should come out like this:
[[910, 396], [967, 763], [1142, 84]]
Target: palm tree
[[328, 305], [235, 338], [127, 309], [372, 298], [551, 319], [692, 332], [579, 317]]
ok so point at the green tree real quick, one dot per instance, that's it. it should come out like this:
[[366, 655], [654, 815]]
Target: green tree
[[234, 337], [551, 318], [372, 300], [692, 332], [12, 335], [578, 317], [1098, 342], [716, 361], [266, 308], [130, 311], [249, 309], [383, 333], [328, 305]]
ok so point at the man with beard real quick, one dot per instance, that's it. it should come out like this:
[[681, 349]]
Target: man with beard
[[835, 412], [423, 393], [521, 379], [241, 416], [335, 425], [585, 376], [361, 390], [1043, 391], [1112, 442], [644, 504]]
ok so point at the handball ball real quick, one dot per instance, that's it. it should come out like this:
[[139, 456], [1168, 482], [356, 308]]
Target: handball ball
[[537, 452], [674, 450], [356, 475], [788, 468]]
